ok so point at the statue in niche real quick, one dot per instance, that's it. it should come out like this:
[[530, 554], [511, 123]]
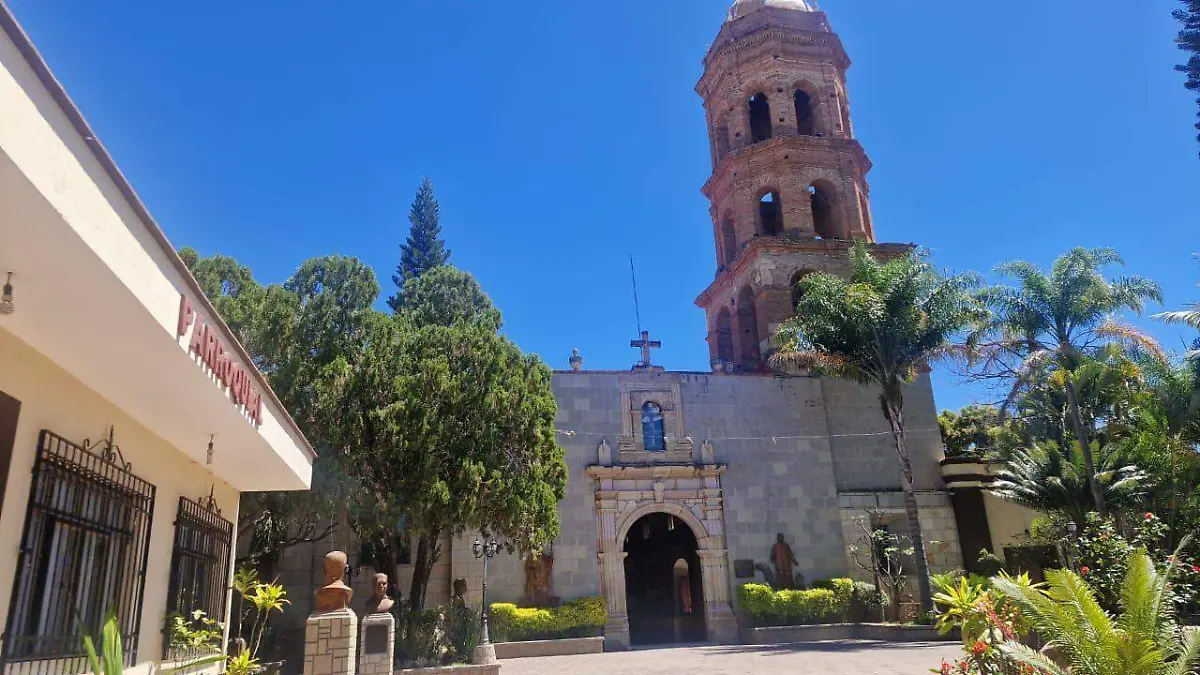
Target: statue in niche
[[335, 594], [784, 561], [460, 592], [379, 603], [708, 454], [539, 570]]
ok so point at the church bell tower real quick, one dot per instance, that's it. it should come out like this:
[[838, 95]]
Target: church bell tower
[[789, 189]]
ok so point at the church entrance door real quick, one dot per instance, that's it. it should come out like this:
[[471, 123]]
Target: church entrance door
[[663, 582]]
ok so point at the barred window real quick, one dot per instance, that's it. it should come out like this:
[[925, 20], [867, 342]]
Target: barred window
[[83, 554], [199, 576]]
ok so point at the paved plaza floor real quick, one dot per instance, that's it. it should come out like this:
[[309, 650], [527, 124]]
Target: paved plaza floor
[[827, 658]]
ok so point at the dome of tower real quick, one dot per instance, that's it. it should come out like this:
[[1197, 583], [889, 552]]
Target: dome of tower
[[743, 7]]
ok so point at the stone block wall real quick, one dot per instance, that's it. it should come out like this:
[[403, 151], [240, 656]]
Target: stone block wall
[[330, 643]]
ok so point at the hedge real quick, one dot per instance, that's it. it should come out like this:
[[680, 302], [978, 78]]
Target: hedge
[[579, 618], [767, 607], [829, 601]]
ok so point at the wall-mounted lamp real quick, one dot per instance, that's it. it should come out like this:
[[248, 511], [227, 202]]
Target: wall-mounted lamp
[[210, 450], [6, 297]]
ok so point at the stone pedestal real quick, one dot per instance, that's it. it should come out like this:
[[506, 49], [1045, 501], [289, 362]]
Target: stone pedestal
[[485, 655], [331, 643], [377, 648]]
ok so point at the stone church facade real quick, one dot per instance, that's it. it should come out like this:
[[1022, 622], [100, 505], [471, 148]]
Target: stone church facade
[[716, 464]]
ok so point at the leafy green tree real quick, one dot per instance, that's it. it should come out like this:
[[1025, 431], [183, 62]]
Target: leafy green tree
[[1164, 434], [880, 327], [971, 432], [1051, 480], [1083, 639], [1189, 41], [424, 248], [450, 424], [1055, 321], [301, 335]]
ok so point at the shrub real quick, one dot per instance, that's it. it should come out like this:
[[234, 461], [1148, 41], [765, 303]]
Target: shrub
[[767, 607], [579, 618]]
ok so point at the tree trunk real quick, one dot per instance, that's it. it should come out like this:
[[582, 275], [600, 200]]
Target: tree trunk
[[1085, 445], [427, 555], [894, 410]]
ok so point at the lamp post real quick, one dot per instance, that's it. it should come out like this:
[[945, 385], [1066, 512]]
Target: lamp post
[[485, 653]]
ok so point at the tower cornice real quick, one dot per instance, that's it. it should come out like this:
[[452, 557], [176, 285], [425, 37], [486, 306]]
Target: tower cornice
[[741, 269], [826, 43], [790, 142]]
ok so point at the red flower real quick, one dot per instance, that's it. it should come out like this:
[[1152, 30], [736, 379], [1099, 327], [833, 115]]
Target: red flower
[[1149, 516], [1084, 570], [1196, 569], [979, 648]]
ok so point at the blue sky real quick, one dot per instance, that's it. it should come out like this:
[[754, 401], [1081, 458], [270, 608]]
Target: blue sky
[[564, 135]]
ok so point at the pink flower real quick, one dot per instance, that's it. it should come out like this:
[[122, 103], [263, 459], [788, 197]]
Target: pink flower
[[1085, 570], [1196, 569], [1149, 516]]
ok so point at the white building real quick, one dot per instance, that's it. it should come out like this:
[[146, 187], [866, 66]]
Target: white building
[[130, 417]]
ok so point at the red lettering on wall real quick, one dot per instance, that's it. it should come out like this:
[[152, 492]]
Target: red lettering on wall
[[205, 345], [186, 316]]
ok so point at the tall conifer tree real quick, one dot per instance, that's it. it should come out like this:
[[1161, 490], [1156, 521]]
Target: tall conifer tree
[[1189, 41], [424, 249]]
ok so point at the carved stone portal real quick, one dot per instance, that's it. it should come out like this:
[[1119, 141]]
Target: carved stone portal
[[690, 493]]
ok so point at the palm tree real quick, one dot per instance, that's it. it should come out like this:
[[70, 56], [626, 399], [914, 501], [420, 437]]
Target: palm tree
[[1082, 639], [881, 326], [1169, 413], [1054, 321], [1052, 481], [1189, 316]]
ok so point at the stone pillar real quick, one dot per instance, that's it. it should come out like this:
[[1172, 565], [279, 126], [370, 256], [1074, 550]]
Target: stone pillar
[[330, 643], [718, 615], [612, 574], [378, 646]]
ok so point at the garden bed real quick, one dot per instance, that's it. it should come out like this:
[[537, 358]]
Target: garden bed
[[492, 669], [883, 632], [522, 650]]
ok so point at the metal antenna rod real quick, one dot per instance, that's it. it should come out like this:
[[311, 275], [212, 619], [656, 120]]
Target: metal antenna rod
[[636, 309]]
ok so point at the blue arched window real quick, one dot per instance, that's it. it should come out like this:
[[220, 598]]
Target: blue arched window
[[652, 427]]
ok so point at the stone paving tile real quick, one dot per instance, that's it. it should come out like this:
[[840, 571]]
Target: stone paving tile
[[827, 658]]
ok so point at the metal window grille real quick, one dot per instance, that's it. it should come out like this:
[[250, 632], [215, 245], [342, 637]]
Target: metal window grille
[[199, 570], [83, 556]]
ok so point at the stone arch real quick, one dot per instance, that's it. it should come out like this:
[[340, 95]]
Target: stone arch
[[806, 99], [828, 212], [729, 245], [768, 212], [758, 112], [704, 541], [724, 336], [750, 353], [794, 283]]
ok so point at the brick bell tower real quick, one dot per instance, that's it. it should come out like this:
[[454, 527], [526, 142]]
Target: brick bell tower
[[789, 189]]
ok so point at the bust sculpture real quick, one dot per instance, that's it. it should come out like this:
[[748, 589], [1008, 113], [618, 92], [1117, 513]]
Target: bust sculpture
[[784, 560], [379, 603], [335, 594]]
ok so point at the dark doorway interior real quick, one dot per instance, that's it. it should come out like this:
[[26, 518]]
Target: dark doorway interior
[[663, 582]]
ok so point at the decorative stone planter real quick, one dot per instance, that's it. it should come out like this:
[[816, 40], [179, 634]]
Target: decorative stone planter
[[883, 632], [523, 650]]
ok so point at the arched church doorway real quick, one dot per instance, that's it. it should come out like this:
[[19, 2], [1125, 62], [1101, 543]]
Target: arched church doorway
[[663, 582]]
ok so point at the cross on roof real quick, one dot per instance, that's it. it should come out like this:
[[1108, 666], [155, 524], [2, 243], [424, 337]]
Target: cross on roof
[[646, 345]]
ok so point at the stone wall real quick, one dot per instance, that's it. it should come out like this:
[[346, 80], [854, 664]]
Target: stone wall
[[804, 457]]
